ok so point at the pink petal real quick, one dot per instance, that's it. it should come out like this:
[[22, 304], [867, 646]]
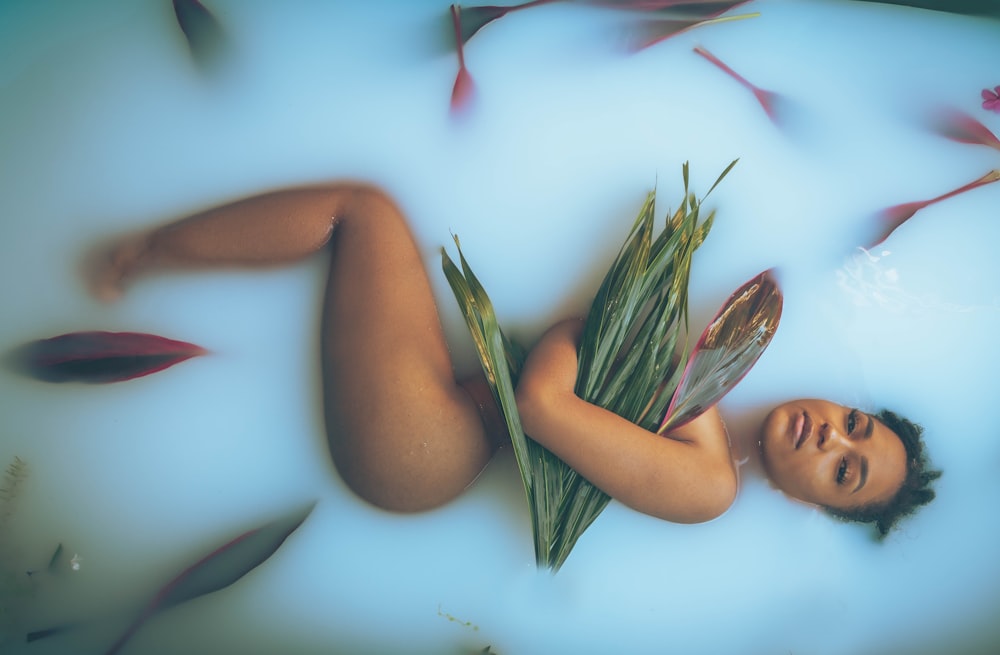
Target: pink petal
[[892, 217], [959, 126], [462, 91], [989, 95], [768, 100]]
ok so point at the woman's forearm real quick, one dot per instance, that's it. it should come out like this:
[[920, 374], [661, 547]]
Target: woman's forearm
[[686, 477], [683, 481]]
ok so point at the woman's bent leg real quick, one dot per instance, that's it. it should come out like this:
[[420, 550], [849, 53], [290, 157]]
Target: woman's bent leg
[[402, 433]]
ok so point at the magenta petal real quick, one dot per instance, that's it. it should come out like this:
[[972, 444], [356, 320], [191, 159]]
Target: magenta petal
[[100, 357], [959, 126], [461, 92], [769, 101], [988, 95], [892, 217]]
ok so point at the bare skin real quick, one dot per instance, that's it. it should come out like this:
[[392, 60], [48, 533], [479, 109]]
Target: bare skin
[[403, 433]]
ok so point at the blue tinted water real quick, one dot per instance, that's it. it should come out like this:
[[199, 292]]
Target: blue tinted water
[[108, 125]]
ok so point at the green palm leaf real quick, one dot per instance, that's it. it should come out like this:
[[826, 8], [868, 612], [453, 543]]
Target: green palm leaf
[[628, 360]]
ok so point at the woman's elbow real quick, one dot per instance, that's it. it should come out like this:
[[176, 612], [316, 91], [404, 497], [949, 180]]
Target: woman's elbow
[[714, 495], [719, 497]]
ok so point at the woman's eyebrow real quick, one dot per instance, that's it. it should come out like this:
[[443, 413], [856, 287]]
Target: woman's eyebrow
[[871, 426], [863, 478]]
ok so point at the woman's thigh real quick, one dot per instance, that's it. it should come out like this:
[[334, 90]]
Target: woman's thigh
[[402, 433]]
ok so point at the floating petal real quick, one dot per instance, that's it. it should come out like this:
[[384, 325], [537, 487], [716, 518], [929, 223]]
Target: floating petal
[[201, 29], [100, 357], [892, 217], [959, 126], [464, 88], [770, 101]]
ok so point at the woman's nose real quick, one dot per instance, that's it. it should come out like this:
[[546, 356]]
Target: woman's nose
[[829, 436]]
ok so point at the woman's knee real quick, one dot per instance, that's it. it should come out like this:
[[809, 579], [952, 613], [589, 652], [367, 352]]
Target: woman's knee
[[412, 465]]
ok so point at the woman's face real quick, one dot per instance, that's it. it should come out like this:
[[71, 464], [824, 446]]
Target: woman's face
[[831, 455]]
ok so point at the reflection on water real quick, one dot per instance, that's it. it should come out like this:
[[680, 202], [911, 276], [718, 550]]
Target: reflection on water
[[110, 125]]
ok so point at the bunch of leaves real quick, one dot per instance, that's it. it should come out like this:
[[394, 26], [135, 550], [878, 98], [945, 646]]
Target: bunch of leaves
[[628, 358], [661, 19]]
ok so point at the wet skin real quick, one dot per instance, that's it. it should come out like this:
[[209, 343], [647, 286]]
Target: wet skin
[[831, 455]]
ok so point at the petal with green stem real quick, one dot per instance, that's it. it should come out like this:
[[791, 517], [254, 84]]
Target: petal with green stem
[[892, 217]]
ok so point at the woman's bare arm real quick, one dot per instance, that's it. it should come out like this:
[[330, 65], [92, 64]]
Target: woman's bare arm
[[685, 477]]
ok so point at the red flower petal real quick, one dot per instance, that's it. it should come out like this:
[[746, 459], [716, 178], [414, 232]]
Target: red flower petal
[[769, 100], [892, 217], [959, 126]]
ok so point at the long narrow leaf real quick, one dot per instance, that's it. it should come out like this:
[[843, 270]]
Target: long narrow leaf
[[100, 357], [627, 360], [219, 569]]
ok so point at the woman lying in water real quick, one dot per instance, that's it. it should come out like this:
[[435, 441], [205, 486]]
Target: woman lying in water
[[407, 436]]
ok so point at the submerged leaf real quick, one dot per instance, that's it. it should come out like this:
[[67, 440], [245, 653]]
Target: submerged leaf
[[769, 100], [219, 569], [959, 126], [201, 29], [627, 361], [892, 217], [100, 357], [730, 345]]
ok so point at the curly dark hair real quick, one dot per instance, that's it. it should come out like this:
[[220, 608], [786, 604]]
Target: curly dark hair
[[915, 491]]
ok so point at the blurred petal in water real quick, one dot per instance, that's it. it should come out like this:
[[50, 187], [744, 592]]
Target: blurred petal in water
[[991, 99], [100, 357], [771, 102], [892, 217], [201, 29], [958, 126]]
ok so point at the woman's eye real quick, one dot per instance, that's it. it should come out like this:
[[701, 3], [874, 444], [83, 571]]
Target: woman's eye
[[852, 421], [842, 471]]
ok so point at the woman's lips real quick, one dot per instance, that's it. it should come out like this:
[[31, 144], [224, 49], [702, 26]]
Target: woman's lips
[[801, 429]]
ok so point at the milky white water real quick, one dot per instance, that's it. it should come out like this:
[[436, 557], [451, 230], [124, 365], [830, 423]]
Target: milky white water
[[107, 125]]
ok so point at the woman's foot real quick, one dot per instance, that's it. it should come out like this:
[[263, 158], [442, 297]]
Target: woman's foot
[[111, 266]]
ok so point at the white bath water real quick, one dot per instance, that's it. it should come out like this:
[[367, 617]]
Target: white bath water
[[107, 125]]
